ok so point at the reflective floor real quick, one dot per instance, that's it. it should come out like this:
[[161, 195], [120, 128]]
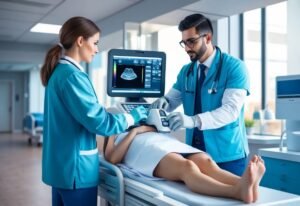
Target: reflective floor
[[20, 173]]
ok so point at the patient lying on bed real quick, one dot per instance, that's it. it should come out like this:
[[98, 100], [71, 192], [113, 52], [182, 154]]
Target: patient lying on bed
[[161, 155]]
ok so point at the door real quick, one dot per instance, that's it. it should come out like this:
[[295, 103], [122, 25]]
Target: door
[[5, 106]]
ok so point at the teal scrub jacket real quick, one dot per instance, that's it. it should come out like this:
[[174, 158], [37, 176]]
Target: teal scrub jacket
[[72, 118], [228, 142]]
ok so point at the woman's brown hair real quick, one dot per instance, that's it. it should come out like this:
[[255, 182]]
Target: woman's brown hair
[[70, 31]]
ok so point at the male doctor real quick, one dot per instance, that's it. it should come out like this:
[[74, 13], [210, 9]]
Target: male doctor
[[212, 89]]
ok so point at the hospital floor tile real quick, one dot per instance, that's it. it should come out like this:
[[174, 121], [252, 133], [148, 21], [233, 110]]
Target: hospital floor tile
[[20, 173]]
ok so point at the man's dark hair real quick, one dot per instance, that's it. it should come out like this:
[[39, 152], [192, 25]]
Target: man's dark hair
[[200, 22]]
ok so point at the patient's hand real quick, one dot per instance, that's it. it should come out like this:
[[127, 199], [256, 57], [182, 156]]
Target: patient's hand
[[143, 129]]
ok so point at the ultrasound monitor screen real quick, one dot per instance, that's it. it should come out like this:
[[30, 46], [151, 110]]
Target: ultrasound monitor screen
[[129, 76], [134, 73]]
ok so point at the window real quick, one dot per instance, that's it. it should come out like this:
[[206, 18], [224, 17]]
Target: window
[[252, 58], [263, 72], [276, 56]]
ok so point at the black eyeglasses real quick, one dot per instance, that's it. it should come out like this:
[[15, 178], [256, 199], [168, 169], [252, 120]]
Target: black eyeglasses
[[190, 42]]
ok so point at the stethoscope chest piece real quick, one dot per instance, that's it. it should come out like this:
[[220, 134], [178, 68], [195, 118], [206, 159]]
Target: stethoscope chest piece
[[212, 91], [213, 88]]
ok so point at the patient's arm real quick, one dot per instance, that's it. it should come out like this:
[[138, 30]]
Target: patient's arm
[[115, 153]]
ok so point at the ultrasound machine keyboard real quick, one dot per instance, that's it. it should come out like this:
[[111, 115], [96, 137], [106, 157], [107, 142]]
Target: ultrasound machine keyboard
[[130, 106]]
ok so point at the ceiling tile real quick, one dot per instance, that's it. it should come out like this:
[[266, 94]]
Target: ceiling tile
[[37, 6]]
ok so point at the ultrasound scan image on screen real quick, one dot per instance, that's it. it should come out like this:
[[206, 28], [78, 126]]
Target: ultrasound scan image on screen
[[130, 76], [133, 73]]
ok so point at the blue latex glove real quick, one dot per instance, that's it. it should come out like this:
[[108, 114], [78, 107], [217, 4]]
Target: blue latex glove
[[178, 120], [138, 114]]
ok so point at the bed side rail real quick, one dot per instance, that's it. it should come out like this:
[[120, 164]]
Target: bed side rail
[[111, 182]]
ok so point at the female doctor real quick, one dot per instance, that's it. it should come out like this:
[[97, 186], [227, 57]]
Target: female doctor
[[212, 90], [73, 117]]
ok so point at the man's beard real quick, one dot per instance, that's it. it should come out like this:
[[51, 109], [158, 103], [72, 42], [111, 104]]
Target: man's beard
[[198, 54]]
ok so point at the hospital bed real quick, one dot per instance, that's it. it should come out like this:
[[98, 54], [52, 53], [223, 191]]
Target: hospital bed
[[33, 125], [124, 188]]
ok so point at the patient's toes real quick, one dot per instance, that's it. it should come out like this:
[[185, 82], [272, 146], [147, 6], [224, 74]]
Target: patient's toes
[[254, 159], [261, 159]]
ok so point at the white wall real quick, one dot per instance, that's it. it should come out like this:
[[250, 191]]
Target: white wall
[[221, 34], [36, 92], [176, 56], [226, 35], [19, 104], [293, 32]]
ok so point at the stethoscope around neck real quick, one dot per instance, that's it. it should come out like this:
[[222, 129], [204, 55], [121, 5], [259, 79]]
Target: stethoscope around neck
[[62, 58], [214, 85]]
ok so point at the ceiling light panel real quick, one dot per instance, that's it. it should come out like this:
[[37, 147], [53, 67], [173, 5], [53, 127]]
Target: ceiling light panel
[[46, 28]]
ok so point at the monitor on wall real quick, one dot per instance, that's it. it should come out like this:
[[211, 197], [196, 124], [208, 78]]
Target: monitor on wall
[[136, 74]]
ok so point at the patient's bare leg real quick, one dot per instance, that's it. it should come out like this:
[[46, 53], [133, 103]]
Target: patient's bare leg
[[210, 168], [175, 167]]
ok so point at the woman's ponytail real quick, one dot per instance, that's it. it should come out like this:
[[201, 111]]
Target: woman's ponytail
[[51, 60]]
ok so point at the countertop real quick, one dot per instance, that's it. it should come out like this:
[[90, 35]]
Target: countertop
[[264, 139], [276, 153]]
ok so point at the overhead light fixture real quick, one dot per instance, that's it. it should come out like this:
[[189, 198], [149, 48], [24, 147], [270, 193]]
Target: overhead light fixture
[[46, 28]]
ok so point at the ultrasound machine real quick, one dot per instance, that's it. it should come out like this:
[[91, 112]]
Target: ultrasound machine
[[135, 75]]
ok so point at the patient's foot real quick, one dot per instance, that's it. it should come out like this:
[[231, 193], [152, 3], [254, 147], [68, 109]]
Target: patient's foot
[[245, 186], [261, 170]]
